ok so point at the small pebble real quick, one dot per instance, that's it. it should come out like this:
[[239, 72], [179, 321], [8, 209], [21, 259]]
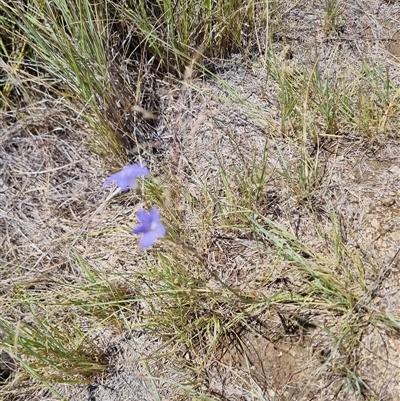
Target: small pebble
[[389, 201]]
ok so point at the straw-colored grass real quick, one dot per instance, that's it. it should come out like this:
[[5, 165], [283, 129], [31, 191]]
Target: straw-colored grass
[[263, 287]]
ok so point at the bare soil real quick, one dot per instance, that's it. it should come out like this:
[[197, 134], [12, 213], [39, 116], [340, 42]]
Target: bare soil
[[50, 186]]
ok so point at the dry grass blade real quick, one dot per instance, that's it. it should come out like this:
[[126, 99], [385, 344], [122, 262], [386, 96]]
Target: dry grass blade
[[270, 130]]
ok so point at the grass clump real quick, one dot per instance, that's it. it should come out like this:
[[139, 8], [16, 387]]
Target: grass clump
[[66, 41], [103, 58], [326, 102], [333, 9], [175, 33]]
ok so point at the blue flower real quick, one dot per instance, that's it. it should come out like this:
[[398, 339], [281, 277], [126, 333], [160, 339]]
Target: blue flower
[[150, 227], [126, 178]]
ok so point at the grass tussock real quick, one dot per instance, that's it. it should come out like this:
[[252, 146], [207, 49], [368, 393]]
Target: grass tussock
[[262, 288]]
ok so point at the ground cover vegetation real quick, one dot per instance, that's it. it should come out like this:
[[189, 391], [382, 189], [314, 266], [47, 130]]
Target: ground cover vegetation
[[264, 186]]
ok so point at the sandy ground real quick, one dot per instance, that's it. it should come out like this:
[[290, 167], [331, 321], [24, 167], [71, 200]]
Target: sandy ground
[[50, 185]]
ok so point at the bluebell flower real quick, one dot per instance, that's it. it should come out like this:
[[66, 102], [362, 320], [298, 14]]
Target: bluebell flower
[[150, 227], [126, 178]]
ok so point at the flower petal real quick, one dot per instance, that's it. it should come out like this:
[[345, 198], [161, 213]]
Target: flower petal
[[155, 216], [160, 230], [144, 217], [126, 178], [148, 239], [131, 182], [139, 229], [123, 183], [109, 180], [136, 170]]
